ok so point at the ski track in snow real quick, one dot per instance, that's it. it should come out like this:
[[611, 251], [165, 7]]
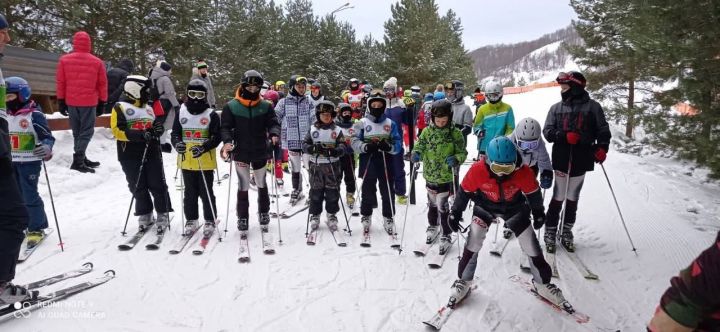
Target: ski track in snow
[[671, 212]]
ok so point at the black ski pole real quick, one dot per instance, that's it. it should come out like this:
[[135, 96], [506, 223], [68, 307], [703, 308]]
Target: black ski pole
[[209, 197], [134, 192], [227, 207], [182, 193], [618, 209], [52, 202]]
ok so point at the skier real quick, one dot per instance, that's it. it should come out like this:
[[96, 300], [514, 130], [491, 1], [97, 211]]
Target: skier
[[501, 187], [581, 135], [161, 80], [28, 126], [295, 113], [195, 135], [280, 157], [355, 97], [441, 148], [325, 144], [462, 114], [201, 73], [316, 93], [478, 98], [345, 121], [424, 109], [494, 118], [375, 137], [138, 133], [528, 140], [246, 123], [396, 111]]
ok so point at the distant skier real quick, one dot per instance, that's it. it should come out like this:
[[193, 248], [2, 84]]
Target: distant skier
[[345, 121]]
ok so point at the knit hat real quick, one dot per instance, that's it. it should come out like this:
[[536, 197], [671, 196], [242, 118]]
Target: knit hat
[[165, 66], [201, 64], [390, 83]]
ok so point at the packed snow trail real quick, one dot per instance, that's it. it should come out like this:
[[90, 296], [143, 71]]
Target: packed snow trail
[[671, 212]]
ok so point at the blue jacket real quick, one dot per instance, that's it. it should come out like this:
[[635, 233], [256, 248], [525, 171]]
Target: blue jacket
[[359, 140]]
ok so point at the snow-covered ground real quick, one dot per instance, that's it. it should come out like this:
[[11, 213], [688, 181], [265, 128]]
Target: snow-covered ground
[[671, 212]]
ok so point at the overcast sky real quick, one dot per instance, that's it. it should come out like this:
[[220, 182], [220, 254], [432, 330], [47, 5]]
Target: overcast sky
[[484, 21]]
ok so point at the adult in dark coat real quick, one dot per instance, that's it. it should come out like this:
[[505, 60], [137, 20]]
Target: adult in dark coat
[[116, 77]]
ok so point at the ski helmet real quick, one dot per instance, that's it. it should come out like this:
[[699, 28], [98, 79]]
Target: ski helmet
[[296, 79], [137, 87], [441, 108], [354, 84], [344, 107], [196, 89], [528, 129], [325, 106], [19, 86], [501, 150], [572, 78], [439, 95], [280, 85], [272, 95], [494, 92], [428, 97], [252, 77], [376, 95]]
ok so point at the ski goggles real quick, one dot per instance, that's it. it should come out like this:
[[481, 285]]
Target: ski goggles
[[314, 88], [502, 169], [324, 108], [195, 94], [492, 96], [254, 80], [528, 145], [389, 91], [566, 78]]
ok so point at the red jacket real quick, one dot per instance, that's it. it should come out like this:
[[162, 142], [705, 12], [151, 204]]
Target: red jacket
[[81, 79], [479, 179]]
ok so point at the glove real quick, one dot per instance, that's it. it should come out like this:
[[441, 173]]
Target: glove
[[100, 108], [370, 147], [481, 134], [149, 136], [384, 146], [546, 178], [197, 151], [331, 153], [313, 149], [157, 129], [466, 130], [181, 147], [62, 107], [451, 161], [600, 155], [415, 157], [42, 151], [275, 140], [454, 221], [572, 137], [538, 219], [225, 151]]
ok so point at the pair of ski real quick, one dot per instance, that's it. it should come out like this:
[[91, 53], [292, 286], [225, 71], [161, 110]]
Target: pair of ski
[[437, 260], [25, 253], [244, 251], [394, 241], [22, 309], [291, 211], [337, 234], [574, 258], [438, 320]]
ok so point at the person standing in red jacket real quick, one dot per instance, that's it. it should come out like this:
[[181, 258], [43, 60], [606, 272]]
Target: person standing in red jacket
[[81, 84]]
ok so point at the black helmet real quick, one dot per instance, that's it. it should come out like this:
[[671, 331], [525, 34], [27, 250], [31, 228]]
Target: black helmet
[[252, 77], [295, 79], [441, 108], [325, 106]]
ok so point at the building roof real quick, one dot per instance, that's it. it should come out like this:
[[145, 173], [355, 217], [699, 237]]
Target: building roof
[[37, 67]]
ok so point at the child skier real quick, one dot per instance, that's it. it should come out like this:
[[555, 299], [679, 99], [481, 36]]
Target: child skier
[[195, 135], [31, 142], [280, 157], [441, 147], [397, 112], [494, 118], [138, 147], [345, 121], [325, 144], [501, 187], [376, 137]]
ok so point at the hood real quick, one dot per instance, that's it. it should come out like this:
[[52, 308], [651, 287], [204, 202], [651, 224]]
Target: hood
[[82, 42], [247, 102], [158, 72], [126, 65]]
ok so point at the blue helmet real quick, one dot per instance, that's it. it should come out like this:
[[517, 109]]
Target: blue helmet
[[428, 97], [439, 95], [501, 150], [18, 86]]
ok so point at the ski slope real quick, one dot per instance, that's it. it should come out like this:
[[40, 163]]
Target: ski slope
[[671, 212]]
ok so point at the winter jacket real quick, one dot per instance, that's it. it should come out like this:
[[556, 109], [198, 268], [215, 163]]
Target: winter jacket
[[396, 111], [116, 79], [330, 137], [80, 77], [42, 133], [128, 123], [296, 114], [426, 113], [355, 99], [462, 117], [584, 116], [247, 124], [538, 157], [197, 129], [435, 146], [166, 89], [348, 132], [4, 137], [495, 120], [369, 129], [316, 101], [210, 90]]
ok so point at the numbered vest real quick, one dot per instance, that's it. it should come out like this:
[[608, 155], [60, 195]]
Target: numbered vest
[[348, 133], [3, 114], [22, 136], [355, 101], [138, 118], [195, 131], [326, 138], [375, 132]]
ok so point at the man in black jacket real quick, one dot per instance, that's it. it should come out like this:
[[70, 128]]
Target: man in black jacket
[[581, 136], [116, 77]]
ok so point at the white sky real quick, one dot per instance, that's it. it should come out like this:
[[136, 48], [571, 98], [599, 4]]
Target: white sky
[[484, 22]]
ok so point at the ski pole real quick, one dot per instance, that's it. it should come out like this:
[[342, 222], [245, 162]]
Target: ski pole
[[342, 204], [387, 182], [407, 207], [227, 207], [52, 202], [209, 198], [543, 198], [618, 209], [564, 206], [167, 189], [277, 200], [182, 192], [217, 169], [455, 175], [137, 183]]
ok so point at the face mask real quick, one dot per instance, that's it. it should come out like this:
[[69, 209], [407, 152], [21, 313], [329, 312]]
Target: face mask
[[15, 104], [346, 117], [377, 112], [250, 95], [196, 105]]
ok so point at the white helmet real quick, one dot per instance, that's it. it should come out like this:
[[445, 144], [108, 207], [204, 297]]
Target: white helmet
[[493, 91], [137, 87], [528, 129]]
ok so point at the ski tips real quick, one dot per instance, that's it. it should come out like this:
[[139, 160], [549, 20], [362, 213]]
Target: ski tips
[[88, 265], [109, 273]]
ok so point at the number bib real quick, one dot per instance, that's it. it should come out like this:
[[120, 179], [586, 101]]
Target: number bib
[[136, 117], [22, 137]]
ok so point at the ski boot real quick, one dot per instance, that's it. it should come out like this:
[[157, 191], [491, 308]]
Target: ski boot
[[12, 294], [366, 221], [431, 234], [350, 200], [163, 222], [566, 239], [296, 196], [242, 224], [145, 221], [92, 164], [550, 235], [208, 228], [389, 225], [402, 199], [551, 293], [445, 244], [191, 226], [332, 222], [264, 222], [314, 222], [459, 291], [34, 237]]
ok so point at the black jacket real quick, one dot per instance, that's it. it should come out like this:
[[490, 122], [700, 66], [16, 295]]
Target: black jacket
[[116, 78], [584, 116], [248, 124]]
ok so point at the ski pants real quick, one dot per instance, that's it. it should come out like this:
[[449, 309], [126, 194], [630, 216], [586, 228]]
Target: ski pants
[[243, 171], [151, 181], [27, 175], [398, 168], [195, 183], [297, 159], [324, 186], [13, 220], [167, 120], [347, 171], [519, 222], [572, 185], [82, 123], [375, 177], [437, 195]]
